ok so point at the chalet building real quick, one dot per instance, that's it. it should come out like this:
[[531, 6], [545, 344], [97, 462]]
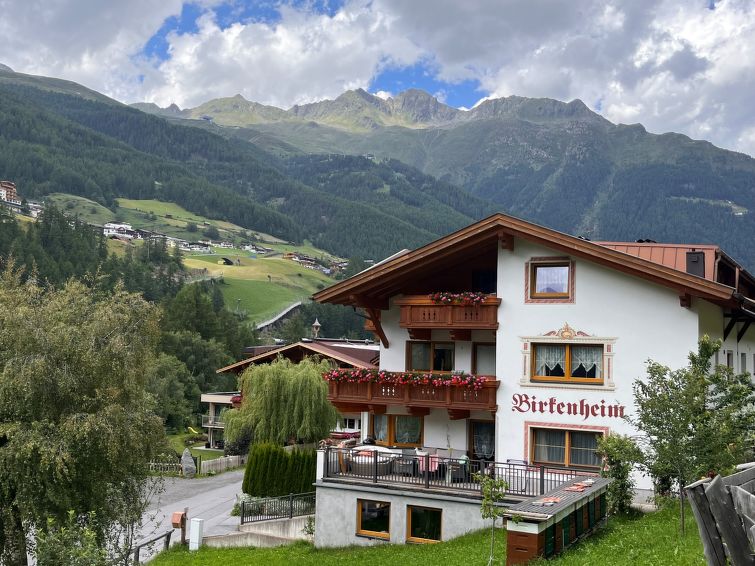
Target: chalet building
[[548, 332], [341, 353]]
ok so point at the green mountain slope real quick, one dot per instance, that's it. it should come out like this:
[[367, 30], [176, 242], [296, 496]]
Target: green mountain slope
[[556, 163], [55, 142]]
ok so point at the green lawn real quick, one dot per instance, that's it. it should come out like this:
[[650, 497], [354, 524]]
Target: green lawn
[[197, 449], [652, 539], [265, 286], [88, 210]]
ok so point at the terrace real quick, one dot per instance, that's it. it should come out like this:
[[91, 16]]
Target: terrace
[[377, 466]]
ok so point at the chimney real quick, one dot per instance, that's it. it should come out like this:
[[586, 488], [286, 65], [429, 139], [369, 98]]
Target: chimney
[[696, 263]]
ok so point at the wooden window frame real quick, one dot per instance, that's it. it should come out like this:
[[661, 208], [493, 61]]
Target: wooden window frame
[[408, 360], [470, 434], [392, 432], [530, 296], [567, 448], [372, 534], [567, 378], [409, 537], [474, 354]]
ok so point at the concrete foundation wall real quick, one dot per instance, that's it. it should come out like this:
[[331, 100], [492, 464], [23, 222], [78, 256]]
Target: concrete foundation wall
[[264, 534], [336, 514]]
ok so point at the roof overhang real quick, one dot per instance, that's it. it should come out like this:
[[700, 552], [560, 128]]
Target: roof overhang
[[373, 287], [308, 348]]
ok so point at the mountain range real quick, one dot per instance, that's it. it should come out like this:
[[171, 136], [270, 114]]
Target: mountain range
[[366, 176]]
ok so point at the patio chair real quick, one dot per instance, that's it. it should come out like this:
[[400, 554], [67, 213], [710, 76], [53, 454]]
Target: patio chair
[[406, 464]]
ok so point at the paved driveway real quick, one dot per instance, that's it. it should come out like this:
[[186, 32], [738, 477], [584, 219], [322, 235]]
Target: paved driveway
[[208, 498]]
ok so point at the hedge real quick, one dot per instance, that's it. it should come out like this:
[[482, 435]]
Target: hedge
[[272, 471]]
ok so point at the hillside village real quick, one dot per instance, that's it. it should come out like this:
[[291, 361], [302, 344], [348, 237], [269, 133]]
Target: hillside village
[[319, 283]]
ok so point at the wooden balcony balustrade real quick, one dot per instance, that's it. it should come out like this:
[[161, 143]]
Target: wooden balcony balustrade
[[419, 311], [419, 399]]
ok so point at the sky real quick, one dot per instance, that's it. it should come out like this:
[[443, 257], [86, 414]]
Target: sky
[[673, 65]]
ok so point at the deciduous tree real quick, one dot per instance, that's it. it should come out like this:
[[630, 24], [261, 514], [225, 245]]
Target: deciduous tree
[[77, 427]]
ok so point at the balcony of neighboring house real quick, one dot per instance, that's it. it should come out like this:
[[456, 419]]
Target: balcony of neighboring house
[[460, 312], [213, 421]]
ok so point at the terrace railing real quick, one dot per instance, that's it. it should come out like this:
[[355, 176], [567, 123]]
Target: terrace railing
[[285, 507], [433, 472]]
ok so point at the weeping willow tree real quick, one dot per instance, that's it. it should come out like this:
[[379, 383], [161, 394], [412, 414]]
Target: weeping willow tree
[[283, 401]]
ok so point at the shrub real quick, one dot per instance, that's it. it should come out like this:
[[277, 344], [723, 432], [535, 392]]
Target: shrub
[[619, 454], [272, 471], [73, 542]]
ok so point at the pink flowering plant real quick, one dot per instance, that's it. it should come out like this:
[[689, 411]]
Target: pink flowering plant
[[467, 298], [358, 375]]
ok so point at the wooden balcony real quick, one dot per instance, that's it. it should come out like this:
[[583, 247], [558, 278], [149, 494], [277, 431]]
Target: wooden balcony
[[419, 399], [419, 311]]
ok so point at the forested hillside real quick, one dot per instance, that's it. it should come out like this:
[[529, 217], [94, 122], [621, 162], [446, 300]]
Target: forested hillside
[[556, 163], [53, 141]]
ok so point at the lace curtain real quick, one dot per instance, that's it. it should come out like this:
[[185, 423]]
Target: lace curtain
[[380, 427], [552, 279], [550, 446], [408, 430], [582, 449], [589, 357], [548, 357]]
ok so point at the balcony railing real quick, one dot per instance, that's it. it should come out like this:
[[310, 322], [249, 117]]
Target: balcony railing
[[213, 421], [432, 472], [442, 397], [419, 311]]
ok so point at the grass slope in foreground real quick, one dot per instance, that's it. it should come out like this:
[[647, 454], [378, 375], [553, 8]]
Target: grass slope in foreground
[[652, 539]]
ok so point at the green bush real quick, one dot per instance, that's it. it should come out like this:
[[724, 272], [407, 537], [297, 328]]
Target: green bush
[[272, 471], [619, 454]]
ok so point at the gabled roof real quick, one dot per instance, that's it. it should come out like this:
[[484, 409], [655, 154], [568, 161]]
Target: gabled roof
[[356, 358], [374, 286]]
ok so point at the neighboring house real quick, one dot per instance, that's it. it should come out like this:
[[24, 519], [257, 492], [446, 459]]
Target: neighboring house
[[119, 230], [563, 328], [8, 193], [342, 354], [213, 420]]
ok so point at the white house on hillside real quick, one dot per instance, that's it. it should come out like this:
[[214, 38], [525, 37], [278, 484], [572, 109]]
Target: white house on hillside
[[550, 332]]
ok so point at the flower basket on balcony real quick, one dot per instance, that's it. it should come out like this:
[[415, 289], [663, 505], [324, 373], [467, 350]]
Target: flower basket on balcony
[[467, 298], [466, 380]]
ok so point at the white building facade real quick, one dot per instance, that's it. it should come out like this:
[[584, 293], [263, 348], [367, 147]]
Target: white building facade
[[576, 323]]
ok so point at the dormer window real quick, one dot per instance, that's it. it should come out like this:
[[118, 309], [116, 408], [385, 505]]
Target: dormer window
[[550, 280]]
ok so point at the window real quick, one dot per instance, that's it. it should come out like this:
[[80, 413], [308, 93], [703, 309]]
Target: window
[[430, 356], [730, 359], [565, 447], [397, 430], [483, 359], [550, 280], [423, 524], [576, 363], [351, 423], [743, 363], [374, 518]]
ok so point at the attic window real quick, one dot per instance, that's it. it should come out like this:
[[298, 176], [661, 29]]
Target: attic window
[[549, 280]]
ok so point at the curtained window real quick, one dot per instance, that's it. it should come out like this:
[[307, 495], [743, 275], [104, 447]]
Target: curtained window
[[568, 362], [380, 428], [397, 430], [565, 447], [549, 280]]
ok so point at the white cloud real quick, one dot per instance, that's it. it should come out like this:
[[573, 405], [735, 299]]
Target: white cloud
[[673, 65], [383, 94]]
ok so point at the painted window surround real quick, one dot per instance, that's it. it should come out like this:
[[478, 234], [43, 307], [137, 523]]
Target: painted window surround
[[567, 335]]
